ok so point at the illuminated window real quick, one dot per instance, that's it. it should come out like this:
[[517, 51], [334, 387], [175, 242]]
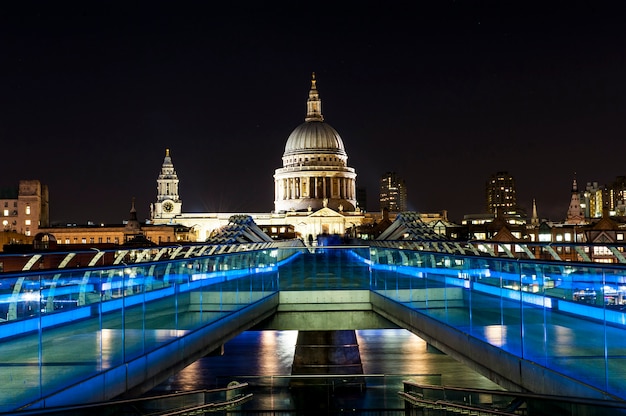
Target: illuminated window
[[619, 237], [27, 209], [5, 223], [83, 240], [117, 240], [568, 236], [544, 237], [108, 239], [6, 212], [27, 232], [27, 222], [559, 237], [67, 241], [91, 240]]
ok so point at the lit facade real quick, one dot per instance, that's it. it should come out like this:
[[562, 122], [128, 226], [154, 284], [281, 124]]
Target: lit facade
[[393, 194], [315, 172], [24, 209], [500, 194], [168, 203]]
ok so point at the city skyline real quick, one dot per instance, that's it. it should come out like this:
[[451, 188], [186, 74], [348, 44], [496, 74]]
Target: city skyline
[[444, 94]]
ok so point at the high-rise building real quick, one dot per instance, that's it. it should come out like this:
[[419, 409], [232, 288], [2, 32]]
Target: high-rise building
[[500, 194], [617, 196], [393, 192]]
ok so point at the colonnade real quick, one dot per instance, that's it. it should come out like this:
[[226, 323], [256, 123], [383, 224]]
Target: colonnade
[[318, 187]]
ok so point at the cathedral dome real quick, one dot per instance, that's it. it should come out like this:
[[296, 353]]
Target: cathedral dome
[[314, 137]]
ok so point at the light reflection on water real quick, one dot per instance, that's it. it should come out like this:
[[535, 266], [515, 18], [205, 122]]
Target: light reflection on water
[[264, 359]]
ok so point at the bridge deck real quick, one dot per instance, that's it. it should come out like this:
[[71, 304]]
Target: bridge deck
[[581, 341]]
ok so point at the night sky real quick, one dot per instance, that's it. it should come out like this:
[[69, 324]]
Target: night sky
[[444, 93]]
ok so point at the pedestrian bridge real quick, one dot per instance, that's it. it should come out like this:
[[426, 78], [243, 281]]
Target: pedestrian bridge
[[93, 333]]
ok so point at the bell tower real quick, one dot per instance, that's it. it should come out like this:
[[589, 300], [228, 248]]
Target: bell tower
[[168, 203]]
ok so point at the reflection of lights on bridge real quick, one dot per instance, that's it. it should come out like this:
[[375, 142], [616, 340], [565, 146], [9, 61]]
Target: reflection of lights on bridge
[[496, 334], [31, 296]]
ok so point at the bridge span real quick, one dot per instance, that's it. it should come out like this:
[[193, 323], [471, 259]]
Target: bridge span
[[93, 333]]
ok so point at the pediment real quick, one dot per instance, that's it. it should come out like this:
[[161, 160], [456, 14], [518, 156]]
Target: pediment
[[326, 212]]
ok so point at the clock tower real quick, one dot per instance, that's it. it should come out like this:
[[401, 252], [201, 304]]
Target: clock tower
[[168, 203]]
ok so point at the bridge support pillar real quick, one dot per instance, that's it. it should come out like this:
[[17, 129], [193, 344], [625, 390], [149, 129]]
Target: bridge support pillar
[[325, 360], [327, 353]]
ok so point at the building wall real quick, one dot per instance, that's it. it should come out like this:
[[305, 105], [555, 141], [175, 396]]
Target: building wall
[[25, 209]]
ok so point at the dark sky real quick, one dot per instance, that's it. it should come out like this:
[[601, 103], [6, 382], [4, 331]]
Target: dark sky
[[444, 93]]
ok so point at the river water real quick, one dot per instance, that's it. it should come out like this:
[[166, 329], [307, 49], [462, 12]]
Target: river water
[[264, 358]]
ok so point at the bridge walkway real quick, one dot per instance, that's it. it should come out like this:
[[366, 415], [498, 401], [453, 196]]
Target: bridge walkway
[[517, 336]]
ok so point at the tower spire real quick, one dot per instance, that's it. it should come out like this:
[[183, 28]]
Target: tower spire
[[535, 218], [574, 213], [314, 104]]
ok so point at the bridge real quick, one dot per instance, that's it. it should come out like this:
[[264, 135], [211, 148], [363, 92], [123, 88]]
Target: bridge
[[101, 329]]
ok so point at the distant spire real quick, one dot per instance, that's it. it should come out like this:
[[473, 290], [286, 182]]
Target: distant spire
[[133, 222], [535, 218], [314, 104]]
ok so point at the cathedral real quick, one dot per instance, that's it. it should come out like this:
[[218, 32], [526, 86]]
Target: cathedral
[[314, 190]]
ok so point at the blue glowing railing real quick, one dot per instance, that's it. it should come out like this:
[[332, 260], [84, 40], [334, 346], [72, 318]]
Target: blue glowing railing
[[566, 316]]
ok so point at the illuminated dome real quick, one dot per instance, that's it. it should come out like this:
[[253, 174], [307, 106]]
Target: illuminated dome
[[315, 172], [314, 136]]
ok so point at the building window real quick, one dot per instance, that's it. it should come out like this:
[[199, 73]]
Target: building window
[[67, 241], [84, 240], [27, 222], [619, 237], [108, 239], [27, 232], [117, 240], [6, 212], [27, 209], [100, 240], [91, 240], [6, 204]]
